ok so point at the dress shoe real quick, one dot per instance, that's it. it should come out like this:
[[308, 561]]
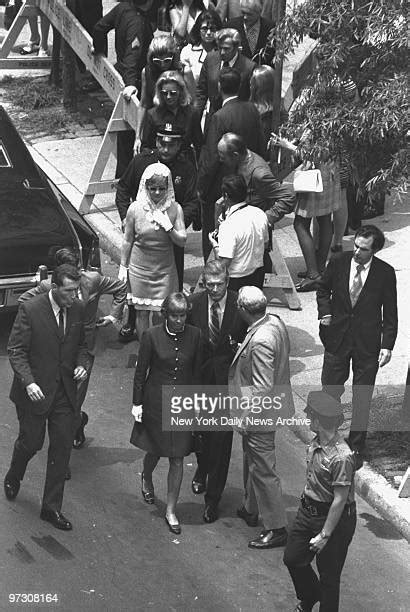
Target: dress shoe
[[198, 484], [126, 334], [148, 496], [210, 514], [173, 527], [303, 607], [79, 437], [68, 474], [11, 488], [250, 519], [270, 538], [57, 519]]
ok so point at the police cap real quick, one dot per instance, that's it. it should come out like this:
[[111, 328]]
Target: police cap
[[323, 404], [169, 132]]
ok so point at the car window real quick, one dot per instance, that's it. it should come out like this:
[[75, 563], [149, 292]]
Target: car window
[[5, 161]]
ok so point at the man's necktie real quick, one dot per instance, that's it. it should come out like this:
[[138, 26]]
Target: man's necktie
[[214, 324], [61, 323], [225, 65], [252, 35], [357, 285]]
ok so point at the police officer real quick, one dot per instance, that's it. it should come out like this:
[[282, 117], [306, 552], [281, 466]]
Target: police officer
[[326, 519], [168, 145]]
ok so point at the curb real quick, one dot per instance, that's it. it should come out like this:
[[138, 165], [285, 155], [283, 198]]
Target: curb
[[375, 490]]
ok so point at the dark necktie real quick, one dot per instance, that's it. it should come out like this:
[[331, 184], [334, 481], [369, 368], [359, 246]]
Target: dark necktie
[[225, 65], [357, 285], [61, 322], [214, 324]]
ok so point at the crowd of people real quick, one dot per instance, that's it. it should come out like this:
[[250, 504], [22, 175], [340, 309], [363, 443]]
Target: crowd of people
[[200, 156]]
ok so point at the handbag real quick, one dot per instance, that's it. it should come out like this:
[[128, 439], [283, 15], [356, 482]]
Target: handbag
[[307, 181]]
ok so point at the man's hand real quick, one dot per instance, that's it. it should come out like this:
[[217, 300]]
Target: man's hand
[[80, 373], [34, 392], [317, 543], [104, 321], [129, 91], [136, 412], [384, 357], [212, 240], [326, 321], [137, 145]]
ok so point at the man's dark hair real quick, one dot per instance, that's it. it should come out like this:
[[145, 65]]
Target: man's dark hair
[[229, 81], [234, 186], [371, 231], [65, 271], [67, 256]]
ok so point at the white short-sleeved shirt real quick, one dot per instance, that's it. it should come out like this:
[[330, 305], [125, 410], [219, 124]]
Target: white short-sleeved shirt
[[193, 56], [242, 238]]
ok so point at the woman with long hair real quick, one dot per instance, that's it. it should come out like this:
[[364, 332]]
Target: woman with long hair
[[201, 41], [172, 102], [163, 55], [183, 15], [262, 85]]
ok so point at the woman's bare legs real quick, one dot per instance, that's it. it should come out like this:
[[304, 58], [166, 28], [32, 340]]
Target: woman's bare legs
[[325, 240], [176, 470], [302, 229]]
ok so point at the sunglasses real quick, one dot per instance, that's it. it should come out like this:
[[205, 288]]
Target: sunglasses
[[162, 60], [169, 93], [208, 29]]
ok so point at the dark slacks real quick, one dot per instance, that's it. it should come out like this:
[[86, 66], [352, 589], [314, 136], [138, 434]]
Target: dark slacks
[[335, 372], [32, 429], [255, 279], [298, 558], [125, 151], [213, 463], [208, 225]]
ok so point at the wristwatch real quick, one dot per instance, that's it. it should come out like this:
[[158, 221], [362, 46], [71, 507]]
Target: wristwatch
[[323, 535]]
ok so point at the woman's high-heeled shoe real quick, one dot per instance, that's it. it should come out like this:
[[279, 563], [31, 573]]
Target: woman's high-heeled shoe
[[148, 496], [173, 527]]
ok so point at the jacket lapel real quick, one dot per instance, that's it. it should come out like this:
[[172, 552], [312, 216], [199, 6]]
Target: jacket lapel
[[346, 277], [49, 313], [203, 315], [371, 278], [228, 313]]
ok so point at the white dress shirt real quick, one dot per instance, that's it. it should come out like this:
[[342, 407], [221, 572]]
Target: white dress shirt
[[56, 310], [363, 274]]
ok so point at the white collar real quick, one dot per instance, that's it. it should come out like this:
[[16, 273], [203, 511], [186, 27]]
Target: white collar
[[229, 99], [56, 308], [366, 266], [235, 207]]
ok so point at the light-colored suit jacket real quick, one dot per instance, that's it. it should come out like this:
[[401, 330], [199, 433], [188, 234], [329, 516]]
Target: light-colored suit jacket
[[260, 369]]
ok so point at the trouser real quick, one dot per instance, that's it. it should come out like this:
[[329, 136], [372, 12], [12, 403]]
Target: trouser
[[208, 225], [298, 557], [255, 279], [335, 372], [263, 491], [179, 264], [213, 463], [61, 423], [125, 151]]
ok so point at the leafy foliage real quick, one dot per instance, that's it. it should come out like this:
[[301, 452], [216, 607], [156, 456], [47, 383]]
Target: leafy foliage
[[364, 43]]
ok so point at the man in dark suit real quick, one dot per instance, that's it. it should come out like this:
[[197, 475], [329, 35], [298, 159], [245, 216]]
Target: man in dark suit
[[218, 345], [235, 116], [48, 354], [357, 305], [92, 286], [254, 31], [228, 55]]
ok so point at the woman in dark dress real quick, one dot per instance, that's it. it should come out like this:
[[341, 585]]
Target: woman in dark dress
[[172, 102], [169, 356]]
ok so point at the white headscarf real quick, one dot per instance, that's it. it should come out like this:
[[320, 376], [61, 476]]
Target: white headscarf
[[143, 195]]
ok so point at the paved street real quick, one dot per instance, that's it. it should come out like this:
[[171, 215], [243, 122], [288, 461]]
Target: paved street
[[120, 555]]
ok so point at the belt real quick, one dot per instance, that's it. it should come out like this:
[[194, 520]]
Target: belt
[[316, 508]]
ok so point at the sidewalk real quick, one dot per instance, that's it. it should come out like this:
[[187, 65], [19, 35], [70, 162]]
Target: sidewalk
[[68, 162]]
